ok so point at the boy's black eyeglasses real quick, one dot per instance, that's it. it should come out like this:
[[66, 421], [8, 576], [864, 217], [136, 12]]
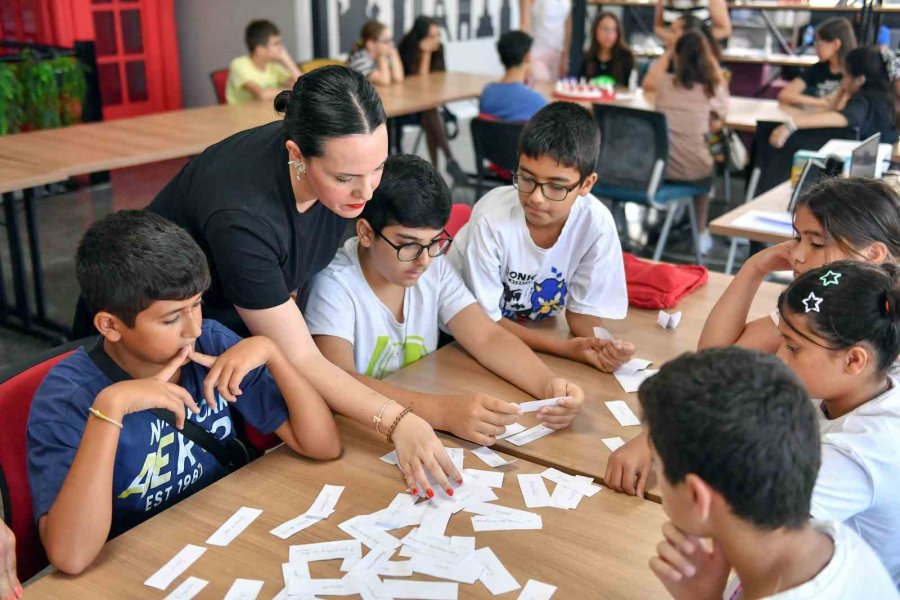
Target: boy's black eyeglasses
[[551, 191], [411, 251]]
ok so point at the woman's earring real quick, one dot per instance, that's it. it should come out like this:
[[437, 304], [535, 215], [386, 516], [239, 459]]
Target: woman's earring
[[301, 168]]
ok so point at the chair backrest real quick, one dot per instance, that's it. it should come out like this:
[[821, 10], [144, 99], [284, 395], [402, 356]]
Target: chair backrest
[[318, 63], [634, 147], [496, 142], [219, 80], [17, 388], [770, 166], [459, 216]]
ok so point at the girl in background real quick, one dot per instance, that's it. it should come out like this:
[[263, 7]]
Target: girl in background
[[608, 53], [834, 39], [375, 56]]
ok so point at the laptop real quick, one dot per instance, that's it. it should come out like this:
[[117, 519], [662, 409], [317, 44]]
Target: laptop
[[864, 159], [814, 171]]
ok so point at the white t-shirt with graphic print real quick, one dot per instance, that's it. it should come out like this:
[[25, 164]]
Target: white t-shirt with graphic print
[[342, 304], [512, 277]]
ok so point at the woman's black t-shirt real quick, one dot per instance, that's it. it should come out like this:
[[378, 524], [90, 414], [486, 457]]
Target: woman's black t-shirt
[[592, 67], [819, 80], [236, 200], [870, 111]]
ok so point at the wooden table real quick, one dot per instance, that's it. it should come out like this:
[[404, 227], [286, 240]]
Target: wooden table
[[774, 200], [578, 449], [600, 549]]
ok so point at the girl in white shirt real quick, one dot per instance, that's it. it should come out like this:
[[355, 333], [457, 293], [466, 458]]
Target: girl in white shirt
[[840, 328]]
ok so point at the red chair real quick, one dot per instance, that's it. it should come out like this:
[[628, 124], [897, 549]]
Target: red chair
[[17, 388], [219, 80], [459, 216]]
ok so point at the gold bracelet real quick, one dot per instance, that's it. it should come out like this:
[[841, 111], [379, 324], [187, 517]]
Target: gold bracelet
[[378, 418], [390, 432], [103, 417]]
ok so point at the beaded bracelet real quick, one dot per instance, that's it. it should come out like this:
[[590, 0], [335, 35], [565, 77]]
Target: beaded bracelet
[[390, 432]]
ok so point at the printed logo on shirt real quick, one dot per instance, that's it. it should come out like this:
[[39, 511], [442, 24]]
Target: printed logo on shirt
[[388, 355], [174, 464], [823, 88], [527, 299]]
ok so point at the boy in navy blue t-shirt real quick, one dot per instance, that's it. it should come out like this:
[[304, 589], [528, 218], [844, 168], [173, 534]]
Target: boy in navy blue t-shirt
[[510, 99], [99, 461]]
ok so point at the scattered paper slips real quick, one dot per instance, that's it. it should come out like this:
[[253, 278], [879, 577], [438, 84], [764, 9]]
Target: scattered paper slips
[[491, 458], [565, 497], [394, 514], [233, 527], [325, 587], [364, 530], [613, 443], [634, 365], [325, 551], [457, 455], [669, 321], [492, 479], [498, 510], [244, 589], [465, 495], [465, 571], [395, 568], [175, 567], [602, 334], [622, 413], [440, 548], [494, 575], [537, 590], [327, 499], [533, 490], [298, 523], [420, 590], [499, 523], [189, 588], [294, 573], [435, 520], [536, 405], [412, 516], [529, 435], [369, 587], [390, 458], [372, 560], [511, 430], [581, 484], [633, 373]]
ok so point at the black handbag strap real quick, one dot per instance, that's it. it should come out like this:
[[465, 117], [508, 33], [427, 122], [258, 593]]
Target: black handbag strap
[[230, 455]]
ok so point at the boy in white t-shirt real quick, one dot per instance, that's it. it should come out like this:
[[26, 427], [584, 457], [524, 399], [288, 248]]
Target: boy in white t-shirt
[[378, 306], [545, 243], [737, 453]]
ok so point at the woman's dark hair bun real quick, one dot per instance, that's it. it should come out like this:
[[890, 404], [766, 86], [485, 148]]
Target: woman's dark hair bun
[[282, 100]]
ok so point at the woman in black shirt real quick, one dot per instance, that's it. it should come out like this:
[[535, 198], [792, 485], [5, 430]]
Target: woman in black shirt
[[608, 53], [834, 39]]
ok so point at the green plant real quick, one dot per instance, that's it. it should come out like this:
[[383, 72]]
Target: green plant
[[41, 95], [72, 87], [11, 114]]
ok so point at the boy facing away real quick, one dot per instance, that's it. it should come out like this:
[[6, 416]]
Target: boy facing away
[[510, 99], [737, 455], [546, 244], [107, 444], [266, 70], [380, 303]]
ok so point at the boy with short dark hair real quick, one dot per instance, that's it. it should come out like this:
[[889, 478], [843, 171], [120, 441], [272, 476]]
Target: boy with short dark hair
[[545, 243], [113, 431], [380, 303], [510, 99], [737, 455], [266, 70]]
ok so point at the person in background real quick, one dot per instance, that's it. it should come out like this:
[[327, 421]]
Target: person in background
[[375, 56], [834, 39], [692, 98], [712, 13], [550, 23], [510, 99], [265, 71], [608, 53], [422, 53], [867, 97]]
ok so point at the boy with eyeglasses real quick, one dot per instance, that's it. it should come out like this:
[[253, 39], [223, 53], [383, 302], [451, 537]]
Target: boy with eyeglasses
[[380, 303], [546, 244]]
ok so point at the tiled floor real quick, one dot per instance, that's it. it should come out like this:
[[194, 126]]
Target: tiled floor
[[63, 217]]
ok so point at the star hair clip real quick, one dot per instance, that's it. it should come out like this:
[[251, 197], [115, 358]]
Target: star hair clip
[[830, 278], [812, 302]]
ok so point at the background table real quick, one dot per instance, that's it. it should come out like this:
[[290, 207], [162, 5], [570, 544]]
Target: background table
[[598, 550], [774, 200], [578, 449]]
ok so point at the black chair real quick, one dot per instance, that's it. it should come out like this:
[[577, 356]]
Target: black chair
[[634, 151], [495, 142]]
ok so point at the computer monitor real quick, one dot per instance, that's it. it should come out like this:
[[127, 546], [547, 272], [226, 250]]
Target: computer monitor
[[864, 159]]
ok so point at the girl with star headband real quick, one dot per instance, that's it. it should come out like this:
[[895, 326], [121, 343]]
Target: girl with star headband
[[840, 329]]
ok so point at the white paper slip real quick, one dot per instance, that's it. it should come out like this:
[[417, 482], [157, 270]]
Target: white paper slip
[[511, 430], [669, 320], [466, 542], [294, 574], [622, 413], [631, 382], [602, 334], [491, 458], [498, 523], [613, 443], [390, 458], [633, 366], [327, 499], [233, 527], [457, 455], [369, 587], [325, 587], [364, 531], [536, 405], [189, 588], [494, 575], [529, 435], [435, 520], [440, 548], [466, 571], [325, 551], [393, 515], [420, 590], [465, 495], [498, 510], [244, 589], [537, 590], [565, 497], [492, 479], [298, 523], [175, 567], [583, 485], [372, 559], [533, 490], [395, 568]]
